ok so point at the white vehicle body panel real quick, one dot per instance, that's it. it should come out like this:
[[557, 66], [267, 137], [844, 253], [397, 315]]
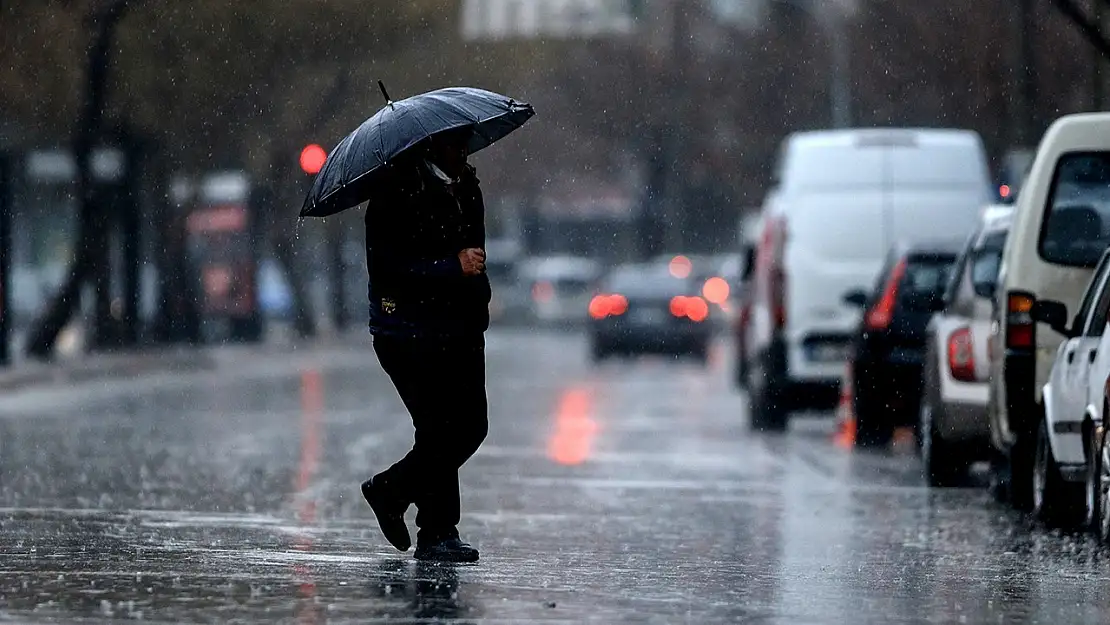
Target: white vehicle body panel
[[1023, 268]]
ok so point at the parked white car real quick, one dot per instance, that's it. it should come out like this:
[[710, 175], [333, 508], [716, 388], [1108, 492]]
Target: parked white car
[[1061, 228], [1073, 401], [953, 430], [841, 200]]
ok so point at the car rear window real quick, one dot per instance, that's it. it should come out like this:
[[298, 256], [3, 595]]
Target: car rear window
[[924, 279], [647, 284], [571, 284], [1076, 227]]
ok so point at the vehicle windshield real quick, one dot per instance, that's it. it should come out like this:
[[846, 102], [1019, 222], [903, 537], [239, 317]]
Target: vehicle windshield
[[1076, 230]]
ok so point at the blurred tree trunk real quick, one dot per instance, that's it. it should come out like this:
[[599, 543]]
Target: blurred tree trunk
[[91, 235]]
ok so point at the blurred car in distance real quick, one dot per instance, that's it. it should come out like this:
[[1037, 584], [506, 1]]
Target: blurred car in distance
[[888, 351], [953, 430], [645, 309], [718, 276], [559, 288]]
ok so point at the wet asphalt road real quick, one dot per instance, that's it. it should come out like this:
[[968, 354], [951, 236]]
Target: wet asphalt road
[[628, 493]]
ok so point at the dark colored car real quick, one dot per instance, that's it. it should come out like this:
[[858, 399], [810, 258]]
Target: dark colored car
[[644, 309], [888, 352]]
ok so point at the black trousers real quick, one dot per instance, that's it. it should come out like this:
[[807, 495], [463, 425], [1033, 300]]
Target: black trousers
[[443, 386]]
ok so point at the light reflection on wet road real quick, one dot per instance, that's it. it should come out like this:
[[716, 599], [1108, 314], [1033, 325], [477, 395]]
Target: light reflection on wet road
[[632, 492]]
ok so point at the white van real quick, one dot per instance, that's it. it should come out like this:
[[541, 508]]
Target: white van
[[841, 199], [1061, 228]]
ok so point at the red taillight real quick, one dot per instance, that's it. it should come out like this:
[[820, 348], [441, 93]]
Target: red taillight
[[961, 355], [771, 251], [680, 267], [716, 290], [882, 313], [618, 305], [543, 291], [1019, 320], [696, 309], [693, 308], [778, 297], [678, 306], [602, 306]]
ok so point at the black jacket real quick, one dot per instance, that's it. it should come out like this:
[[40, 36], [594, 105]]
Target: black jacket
[[414, 233]]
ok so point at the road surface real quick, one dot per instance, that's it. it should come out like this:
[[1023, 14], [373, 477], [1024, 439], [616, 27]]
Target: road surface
[[632, 492]]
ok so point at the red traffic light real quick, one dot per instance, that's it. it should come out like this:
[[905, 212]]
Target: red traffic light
[[312, 159]]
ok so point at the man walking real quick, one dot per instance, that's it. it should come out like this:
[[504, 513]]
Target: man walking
[[429, 310]]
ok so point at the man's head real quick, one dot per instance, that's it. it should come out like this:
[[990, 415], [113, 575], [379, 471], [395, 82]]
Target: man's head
[[448, 150]]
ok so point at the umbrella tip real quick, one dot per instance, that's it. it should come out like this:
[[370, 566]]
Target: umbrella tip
[[385, 94]]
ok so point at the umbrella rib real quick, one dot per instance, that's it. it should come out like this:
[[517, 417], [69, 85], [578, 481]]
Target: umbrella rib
[[420, 122], [381, 138]]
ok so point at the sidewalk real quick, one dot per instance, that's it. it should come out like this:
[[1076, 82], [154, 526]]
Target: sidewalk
[[161, 359], [104, 365]]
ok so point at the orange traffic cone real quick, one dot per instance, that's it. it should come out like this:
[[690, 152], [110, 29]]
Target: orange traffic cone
[[845, 436]]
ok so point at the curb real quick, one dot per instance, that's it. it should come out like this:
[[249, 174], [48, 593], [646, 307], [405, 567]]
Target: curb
[[91, 367], [138, 362]]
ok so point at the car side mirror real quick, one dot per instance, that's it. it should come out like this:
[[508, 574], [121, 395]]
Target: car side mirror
[[856, 298], [1053, 314]]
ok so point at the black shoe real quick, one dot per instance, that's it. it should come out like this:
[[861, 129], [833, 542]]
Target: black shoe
[[390, 513], [446, 550]]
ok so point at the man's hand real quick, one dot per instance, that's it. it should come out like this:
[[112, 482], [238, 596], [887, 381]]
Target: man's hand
[[473, 261]]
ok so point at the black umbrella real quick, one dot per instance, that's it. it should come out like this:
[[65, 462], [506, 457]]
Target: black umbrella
[[354, 168]]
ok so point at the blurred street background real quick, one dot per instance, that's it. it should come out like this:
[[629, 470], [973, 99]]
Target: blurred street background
[[188, 394], [659, 122]]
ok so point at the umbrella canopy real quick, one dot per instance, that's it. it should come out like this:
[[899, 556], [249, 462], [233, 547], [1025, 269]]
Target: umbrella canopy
[[357, 165]]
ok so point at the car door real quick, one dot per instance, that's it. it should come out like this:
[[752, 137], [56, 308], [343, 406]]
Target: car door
[[940, 385], [1075, 356], [1092, 339]]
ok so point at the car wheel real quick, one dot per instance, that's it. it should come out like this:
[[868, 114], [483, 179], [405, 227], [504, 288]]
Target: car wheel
[[943, 466], [1103, 462], [1093, 483], [998, 484], [1055, 502], [872, 430], [766, 408]]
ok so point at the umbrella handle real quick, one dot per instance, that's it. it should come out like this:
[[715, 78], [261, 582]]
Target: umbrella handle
[[388, 100]]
